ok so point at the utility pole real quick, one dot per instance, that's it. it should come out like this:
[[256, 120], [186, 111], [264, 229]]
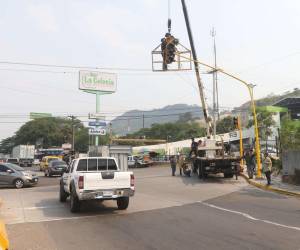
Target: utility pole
[[199, 81], [143, 120], [213, 34], [73, 130], [215, 84]]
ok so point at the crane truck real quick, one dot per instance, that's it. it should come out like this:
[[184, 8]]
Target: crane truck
[[211, 156]]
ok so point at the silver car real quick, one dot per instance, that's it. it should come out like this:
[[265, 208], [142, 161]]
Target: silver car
[[13, 175]]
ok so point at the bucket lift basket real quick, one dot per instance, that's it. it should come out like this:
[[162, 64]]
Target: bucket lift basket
[[180, 63]]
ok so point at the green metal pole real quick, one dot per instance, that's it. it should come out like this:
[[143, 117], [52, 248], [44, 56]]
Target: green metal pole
[[97, 111]]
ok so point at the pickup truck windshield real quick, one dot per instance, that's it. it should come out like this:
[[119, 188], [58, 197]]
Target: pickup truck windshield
[[96, 165]]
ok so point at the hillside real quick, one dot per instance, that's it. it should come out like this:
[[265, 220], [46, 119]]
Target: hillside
[[133, 120], [270, 99]]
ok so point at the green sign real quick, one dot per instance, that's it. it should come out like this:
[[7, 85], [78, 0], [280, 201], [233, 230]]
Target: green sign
[[34, 115], [273, 109], [97, 81]]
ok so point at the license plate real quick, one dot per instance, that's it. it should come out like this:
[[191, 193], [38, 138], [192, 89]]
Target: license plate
[[108, 193], [59, 168]]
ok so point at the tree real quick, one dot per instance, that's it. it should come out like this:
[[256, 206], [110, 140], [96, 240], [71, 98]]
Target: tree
[[265, 122], [290, 134], [171, 131], [48, 132], [185, 117], [7, 145], [225, 125]]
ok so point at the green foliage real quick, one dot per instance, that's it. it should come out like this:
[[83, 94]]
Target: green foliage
[[225, 125], [188, 116], [7, 144], [265, 122], [290, 134], [170, 131], [48, 132]]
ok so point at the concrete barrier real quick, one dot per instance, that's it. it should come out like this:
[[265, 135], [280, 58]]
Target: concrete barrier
[[4, 242], [269, 188]]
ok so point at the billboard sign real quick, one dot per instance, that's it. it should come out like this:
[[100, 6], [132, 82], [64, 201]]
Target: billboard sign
[[97, 81], [97, 131], [96, 116], [33, 115], [97, 124]]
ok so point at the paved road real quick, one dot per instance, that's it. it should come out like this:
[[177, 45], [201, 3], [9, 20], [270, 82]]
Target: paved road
[[166, 213]]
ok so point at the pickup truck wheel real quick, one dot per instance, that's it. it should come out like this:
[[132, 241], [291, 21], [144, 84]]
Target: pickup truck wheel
[[123, 203], [74, 202], [63, 195]]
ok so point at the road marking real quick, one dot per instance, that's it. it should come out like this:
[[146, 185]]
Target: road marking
[[41, 207], [248, 216]]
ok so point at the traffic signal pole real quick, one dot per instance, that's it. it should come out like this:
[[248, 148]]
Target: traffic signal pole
[[199, 81], [97, 111]]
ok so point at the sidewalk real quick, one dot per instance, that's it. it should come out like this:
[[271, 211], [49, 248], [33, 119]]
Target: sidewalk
[[276, 185]]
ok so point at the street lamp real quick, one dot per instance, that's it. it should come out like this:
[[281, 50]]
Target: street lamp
[[250, 89]]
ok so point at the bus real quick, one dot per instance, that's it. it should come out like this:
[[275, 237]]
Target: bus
[[49, 152]]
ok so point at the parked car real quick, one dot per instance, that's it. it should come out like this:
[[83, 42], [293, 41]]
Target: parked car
[[36, 162], [13, 161], [45, 161], [14, 175], [96, 178], [136, 162], [56, 167]]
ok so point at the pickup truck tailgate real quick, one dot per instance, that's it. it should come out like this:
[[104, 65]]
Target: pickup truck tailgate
[[106, 180]]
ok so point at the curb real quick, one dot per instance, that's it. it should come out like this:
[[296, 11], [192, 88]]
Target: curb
[[4, 242], [270, 188]]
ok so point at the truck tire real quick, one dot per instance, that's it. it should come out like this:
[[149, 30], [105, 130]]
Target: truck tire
[[201, 173], [123, 203], [63, 195], [74, 202]]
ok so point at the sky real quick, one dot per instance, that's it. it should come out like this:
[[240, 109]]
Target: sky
[[257, 40]]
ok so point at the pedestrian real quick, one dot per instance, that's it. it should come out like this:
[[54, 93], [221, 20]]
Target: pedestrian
[[194, 148], [250, 162], [180, 163], [173, 163], [267, 167]]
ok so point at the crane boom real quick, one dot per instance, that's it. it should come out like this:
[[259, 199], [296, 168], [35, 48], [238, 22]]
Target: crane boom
[[199, 81]]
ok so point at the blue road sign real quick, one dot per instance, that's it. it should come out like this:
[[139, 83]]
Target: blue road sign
[[97, 124]]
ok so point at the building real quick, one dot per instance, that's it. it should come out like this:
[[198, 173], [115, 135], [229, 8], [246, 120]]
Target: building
[[292, 104]]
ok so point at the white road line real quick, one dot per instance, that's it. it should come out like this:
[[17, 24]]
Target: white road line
[[41, 207], [248, 216]]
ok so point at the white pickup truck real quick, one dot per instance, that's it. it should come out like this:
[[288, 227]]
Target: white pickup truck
[[96, 178]]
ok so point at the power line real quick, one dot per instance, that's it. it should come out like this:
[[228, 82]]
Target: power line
[[74, 67]]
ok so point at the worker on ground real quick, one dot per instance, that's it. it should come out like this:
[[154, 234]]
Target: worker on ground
[[180, 163], [173, 164], [250, 162], [267, 167], [194, 148], [200, 152]]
